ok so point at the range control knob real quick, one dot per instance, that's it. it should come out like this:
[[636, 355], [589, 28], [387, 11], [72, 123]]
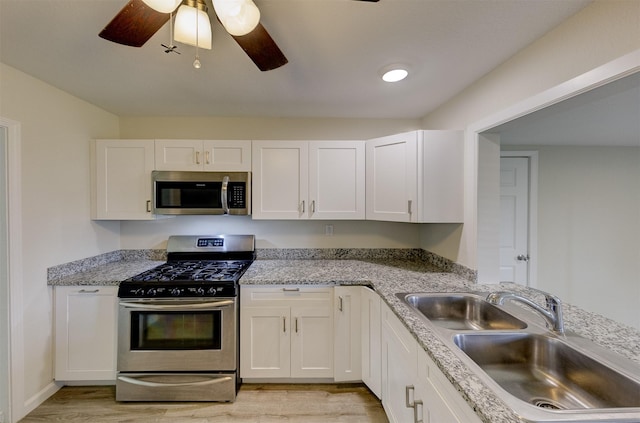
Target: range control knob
[[200, 291], [151, 292], [212, 291], [175, 292], [138, 291]]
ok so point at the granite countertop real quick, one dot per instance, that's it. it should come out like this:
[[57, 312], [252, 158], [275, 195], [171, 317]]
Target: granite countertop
[[390, 280], [387, 278]]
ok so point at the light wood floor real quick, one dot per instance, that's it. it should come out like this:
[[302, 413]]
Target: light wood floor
[[255, 403]]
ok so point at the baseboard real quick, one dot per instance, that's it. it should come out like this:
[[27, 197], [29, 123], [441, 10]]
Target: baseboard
[[37, 399]]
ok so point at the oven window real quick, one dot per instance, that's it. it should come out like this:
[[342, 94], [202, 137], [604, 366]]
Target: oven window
[[176, 330]]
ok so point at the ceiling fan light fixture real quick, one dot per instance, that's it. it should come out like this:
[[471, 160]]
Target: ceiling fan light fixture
[[394, 73], [163, 6], [239, 17], [186, 26]]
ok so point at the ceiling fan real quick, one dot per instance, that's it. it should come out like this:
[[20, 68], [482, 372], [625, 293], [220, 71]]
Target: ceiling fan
[[139, 20]]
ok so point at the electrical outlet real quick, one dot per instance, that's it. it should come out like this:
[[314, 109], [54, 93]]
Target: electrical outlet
[[328, 230]]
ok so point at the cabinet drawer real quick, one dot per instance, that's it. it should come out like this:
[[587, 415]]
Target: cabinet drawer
[[286, 295]]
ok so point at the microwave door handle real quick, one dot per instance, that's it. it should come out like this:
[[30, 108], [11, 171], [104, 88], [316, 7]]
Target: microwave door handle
[[177, 307], [225, 199]]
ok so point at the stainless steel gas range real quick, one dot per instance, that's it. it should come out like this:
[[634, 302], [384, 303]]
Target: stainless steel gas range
[[178, 323]]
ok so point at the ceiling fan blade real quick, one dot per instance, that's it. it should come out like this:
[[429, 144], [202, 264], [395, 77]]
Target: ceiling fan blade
[[134, 24], [261, 48]]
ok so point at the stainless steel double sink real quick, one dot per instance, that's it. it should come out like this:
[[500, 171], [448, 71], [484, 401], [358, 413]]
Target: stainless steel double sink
[[542, 376]]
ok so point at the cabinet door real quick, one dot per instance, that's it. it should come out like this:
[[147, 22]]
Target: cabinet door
[[371, 340], [438, 400], [222, 155], [265, 342], [399, 365], [122, 179], [392, 178], [280, 179], [85, 333], [336, 180], [179, 155], [311, 342], [347, 359]]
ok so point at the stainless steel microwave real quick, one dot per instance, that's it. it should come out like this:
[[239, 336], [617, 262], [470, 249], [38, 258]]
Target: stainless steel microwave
[[178, 192]]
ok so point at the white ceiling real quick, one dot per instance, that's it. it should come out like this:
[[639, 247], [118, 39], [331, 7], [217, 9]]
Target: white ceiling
[[335, 50], [605, 116]]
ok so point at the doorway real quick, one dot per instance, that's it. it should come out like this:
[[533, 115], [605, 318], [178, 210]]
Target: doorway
[[518, 218]]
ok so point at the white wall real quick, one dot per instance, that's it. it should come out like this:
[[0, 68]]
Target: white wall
[[274, 233], [589, 227], [55, 128], [598, 34], [4, 284]]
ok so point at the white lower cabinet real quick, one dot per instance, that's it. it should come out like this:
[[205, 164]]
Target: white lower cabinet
[[413, 388], [435, 399], [399, 365], [286, 332], [85, 333], [370, 339], [347, 357]]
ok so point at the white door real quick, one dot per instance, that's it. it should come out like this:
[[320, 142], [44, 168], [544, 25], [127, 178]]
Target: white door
[[514, 220]]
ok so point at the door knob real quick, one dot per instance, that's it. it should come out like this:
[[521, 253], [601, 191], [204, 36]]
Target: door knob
[[523, 257]]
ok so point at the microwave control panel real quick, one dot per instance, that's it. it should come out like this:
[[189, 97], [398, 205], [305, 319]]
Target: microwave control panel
[[236, 195]]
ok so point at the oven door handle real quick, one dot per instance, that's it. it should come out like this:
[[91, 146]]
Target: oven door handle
[[192, 306], [139, 382]]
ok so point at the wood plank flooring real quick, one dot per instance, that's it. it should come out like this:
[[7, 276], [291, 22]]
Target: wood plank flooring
[[256, 403]]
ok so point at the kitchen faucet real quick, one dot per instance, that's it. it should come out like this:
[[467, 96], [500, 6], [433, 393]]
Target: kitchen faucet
[[552, 314]]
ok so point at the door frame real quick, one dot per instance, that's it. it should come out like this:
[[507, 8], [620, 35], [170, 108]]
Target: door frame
[[532, 212], [484, 239], [14, 274]]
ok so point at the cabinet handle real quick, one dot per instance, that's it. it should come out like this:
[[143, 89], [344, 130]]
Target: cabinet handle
[[89, 291], [284, 324], [313, 206], [296, 325], [197, 157], [291, 289], [148, 206], [409, 206], [340, 303], [408, 389], [417, 403], [206, 157], [302, 206]]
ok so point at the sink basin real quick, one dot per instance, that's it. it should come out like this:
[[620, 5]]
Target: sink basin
[[462, 312], [546, 372]]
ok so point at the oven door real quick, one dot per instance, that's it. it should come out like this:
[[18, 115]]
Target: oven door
[[177, 335]]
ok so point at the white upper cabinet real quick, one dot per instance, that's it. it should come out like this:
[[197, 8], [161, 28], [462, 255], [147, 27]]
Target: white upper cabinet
[[280, 179], [199, 155], [336, 180], [308, 180], [416, 177], [121, 185]]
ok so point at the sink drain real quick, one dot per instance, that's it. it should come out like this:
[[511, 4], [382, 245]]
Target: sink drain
[[547, 404]]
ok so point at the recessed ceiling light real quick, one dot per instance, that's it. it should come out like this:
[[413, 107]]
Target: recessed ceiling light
[[394, 73]]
